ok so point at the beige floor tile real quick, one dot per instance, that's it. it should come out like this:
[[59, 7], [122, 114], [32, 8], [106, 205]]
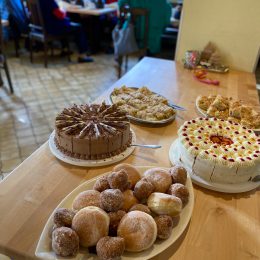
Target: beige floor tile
[[27, 150], [23, 141], [9, 165], [10, 154], [27, 132]]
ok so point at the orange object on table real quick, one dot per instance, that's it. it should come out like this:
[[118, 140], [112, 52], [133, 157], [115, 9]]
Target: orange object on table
[[201, 75]]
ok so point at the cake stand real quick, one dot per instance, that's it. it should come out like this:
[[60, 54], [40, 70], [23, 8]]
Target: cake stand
[[90, 163], [174, 155]]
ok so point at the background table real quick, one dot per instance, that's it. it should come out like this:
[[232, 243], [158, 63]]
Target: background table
[[110, 8], [223, 226]]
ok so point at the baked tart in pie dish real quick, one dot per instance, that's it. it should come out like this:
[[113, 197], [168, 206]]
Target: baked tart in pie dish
[[142, 103], [92, 132], [219, 151], [229, 109]]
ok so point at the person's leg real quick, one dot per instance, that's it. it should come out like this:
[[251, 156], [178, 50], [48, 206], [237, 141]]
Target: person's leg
[[81, 42]]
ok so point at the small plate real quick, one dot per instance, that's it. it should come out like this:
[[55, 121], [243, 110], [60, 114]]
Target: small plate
[[204, 114], [44, 250], [90, 163], [143, 121], [174, 155]]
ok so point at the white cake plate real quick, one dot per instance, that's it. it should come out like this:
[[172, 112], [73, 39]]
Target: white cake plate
[[89, 163], [174, 155]]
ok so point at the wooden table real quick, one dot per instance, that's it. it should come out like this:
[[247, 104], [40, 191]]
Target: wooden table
[[110, 8], [223, 226]]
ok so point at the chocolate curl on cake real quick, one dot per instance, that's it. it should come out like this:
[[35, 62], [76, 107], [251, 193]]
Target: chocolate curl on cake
[[85, 130], [109, 110], [118, 124], [108, 128], [73, 128], [123, 118], [97, 133], [64, 123], [102, 107]]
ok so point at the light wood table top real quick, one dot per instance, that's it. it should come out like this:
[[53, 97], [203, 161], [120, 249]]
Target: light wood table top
[[223, 226], [110, 8]]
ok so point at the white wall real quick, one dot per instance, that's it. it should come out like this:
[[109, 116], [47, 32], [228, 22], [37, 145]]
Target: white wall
[[233, 25]]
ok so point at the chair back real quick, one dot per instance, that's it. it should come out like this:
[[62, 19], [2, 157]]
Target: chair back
[[35, 15], [1, 35], [138, 17]]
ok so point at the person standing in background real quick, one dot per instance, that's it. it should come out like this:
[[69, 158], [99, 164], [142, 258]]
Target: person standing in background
[[159, 17]]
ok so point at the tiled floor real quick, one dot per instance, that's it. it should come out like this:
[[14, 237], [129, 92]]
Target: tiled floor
[[27, 117]]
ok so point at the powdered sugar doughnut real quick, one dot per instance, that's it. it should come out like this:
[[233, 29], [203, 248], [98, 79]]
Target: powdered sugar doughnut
[[86, 198], [139, 231], [65, 242], [90, 223]]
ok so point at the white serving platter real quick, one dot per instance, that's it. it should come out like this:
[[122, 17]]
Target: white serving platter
[[150, 122], [204, 114], [44, 250], [89, 163], [174, 156]]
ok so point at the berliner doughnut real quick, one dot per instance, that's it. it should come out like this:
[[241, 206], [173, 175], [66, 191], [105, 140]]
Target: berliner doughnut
[[132, 173], [164, 204], [86, 198], [160, 178], [63, 217], [180, 191], [141, 207], [118, 180], [143, 189], [90, 223], [111, 199], [115, 218], [129, 200], [164, 226], [139, 231], [179, 174], [65, 241], [110, 247], [101, 184]]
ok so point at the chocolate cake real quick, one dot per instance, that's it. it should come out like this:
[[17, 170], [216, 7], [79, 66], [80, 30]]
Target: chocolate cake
[[93, 131]]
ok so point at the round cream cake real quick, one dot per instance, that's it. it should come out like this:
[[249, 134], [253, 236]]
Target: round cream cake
[[93, 131], [219, 151]]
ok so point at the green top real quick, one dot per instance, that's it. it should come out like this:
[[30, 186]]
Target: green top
[[159, 17]]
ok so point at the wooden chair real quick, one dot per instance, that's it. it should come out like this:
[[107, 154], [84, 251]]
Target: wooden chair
[[3, 61], [135, 14], [38, 31]]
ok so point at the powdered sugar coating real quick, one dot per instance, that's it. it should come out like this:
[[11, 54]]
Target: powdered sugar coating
[[110, 247], [139, 231], [65, 241]]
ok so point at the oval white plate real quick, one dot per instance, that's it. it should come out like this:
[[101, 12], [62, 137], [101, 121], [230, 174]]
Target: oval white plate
[[90, 163], [204, 113], [227, 188], [44, 249]]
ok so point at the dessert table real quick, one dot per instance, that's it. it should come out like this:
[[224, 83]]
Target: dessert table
[[223, 226]]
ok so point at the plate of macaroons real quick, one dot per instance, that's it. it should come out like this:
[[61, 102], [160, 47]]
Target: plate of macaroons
[[131, 212], [229, 109], [143, 105]]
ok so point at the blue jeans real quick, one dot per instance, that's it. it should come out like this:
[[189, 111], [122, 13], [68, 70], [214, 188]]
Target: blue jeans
[[76, 30]]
